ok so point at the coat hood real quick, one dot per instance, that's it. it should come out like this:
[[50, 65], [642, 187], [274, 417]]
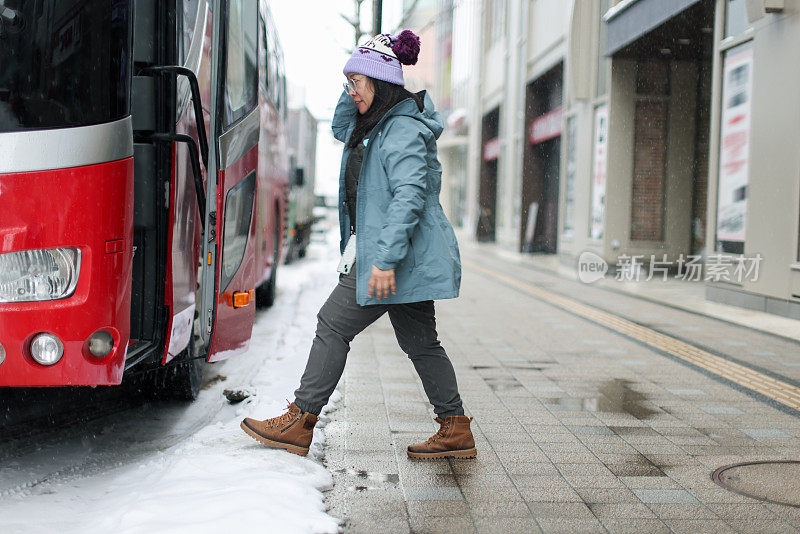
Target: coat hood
[[344, 117], [428, 116]]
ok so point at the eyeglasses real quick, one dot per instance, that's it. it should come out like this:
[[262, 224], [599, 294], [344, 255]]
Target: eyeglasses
[[350, 86]]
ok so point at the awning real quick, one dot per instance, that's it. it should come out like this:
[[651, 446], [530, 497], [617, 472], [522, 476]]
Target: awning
[[631, 19]]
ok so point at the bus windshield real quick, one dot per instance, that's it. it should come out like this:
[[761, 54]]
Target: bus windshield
[[64, 63]]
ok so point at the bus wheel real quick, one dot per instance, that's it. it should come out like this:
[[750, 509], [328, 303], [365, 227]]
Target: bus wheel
[[305, 235], [180, 379], [265, 293], [185, 376]]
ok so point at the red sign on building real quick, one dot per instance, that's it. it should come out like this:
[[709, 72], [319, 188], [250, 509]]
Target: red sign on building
[[491, 150], [545, 127]]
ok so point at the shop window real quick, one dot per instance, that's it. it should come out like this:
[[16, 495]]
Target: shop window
[[734, 151], [736, 18], [599, 167]]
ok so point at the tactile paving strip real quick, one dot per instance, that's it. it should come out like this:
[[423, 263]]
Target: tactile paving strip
[[777, 390]]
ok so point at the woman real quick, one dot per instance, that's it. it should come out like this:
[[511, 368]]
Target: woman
[[405, 254]]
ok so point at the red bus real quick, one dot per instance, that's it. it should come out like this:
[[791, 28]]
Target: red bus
[[143, 186]]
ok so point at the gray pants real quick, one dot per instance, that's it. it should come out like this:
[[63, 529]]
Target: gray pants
[[341, 319]]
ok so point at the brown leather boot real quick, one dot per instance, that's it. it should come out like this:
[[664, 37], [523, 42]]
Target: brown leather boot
[[291, 431], [453, 440]]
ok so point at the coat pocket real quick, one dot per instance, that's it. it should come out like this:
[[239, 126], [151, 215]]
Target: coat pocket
[[410, 260]]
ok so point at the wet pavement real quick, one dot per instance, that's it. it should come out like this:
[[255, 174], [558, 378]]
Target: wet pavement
[[775, 482], [580, 427]]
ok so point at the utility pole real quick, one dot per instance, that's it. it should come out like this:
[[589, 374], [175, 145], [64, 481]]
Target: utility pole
[[377, 15]]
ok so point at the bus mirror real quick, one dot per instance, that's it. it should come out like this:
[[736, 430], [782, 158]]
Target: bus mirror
[[299, 177]]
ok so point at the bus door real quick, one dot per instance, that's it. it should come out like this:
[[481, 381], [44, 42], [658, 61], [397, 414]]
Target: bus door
[[228, 273]]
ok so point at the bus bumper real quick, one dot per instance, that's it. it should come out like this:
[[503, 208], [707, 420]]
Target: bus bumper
[[89, 208]]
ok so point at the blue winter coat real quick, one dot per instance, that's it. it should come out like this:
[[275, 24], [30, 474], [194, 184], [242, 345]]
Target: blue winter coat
[[399, 222]]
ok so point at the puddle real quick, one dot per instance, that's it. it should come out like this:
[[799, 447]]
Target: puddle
[[366, 475], [639, 467], [503, 384], [533, 365], [614, 396], [633, 431]]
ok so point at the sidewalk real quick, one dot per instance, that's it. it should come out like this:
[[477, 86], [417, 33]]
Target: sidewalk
[[683, 294], [578, 428]]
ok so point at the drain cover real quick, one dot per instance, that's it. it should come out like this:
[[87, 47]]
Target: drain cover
[[776, 482]]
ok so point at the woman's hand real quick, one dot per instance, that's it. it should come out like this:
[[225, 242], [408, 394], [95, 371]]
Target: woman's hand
[[382, 282]]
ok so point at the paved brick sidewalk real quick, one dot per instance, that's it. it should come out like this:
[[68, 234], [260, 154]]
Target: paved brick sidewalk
[[578, 428]]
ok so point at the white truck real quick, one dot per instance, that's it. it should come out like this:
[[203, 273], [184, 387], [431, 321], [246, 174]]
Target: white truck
[[302, 146]]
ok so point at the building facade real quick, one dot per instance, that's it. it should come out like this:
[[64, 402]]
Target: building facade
[[754, 196], [651, 132], [638, 100], [456, 93]]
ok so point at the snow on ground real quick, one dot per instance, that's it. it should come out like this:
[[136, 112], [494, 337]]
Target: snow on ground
[[215, 479]]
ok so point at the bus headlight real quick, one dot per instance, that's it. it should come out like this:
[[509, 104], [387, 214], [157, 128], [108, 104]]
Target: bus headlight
[[37, 275], [2, 354], [46, 349]]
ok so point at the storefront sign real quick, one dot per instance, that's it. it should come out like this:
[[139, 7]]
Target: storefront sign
[[734, 144], [545, 127], [491, 150], [599, 160]]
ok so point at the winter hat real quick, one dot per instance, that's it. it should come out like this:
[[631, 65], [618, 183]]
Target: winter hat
[[383, 56]]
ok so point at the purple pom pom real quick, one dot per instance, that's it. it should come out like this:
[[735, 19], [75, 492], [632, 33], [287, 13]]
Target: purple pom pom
[[406, 47]]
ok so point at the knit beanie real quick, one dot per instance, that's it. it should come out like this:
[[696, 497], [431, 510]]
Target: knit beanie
[[383, 56]]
